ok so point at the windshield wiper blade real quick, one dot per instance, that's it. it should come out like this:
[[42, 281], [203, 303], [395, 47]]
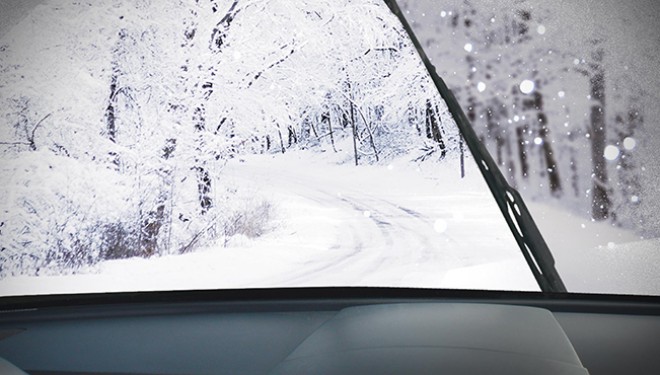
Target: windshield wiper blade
[[524, 229]]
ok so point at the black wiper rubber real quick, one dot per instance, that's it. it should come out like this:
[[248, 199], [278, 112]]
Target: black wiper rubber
[[527, 235]]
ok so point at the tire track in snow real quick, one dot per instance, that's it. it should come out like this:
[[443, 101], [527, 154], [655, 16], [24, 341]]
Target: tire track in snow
[[379, 238]]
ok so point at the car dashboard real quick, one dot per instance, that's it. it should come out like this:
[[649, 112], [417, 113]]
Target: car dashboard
[[330, 331]]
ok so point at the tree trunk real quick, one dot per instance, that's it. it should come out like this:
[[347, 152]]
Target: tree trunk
[[279, 132], [110, 117], [600, 204], [628, 176], [522, 150], [202, 175], [326, 116], [292, 136], [353, 124], [204, 189], [150, 228], [433, 128], [548, 154]]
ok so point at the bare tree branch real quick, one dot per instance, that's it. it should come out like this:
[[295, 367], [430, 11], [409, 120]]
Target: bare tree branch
[[366, 124], [37, 126], [276, 63], [15, 143]]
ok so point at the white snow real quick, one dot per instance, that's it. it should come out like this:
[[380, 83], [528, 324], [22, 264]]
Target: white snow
[[597, 257], [337, 225]]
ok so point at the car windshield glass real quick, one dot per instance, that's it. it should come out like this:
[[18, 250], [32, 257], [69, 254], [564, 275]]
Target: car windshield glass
[[268, 143], [564, 96]]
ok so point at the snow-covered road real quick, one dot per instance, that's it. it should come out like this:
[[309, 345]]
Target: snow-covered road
[[396, 225], [393, 225]]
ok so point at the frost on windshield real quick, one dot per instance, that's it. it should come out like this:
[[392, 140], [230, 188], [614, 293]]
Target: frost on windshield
[[222, 144], [565, 98]]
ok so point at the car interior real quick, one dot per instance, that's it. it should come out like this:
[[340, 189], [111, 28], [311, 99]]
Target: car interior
[[344, 330], [331, 331]]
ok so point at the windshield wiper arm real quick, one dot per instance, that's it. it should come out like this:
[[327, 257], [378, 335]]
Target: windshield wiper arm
[[524, 229]]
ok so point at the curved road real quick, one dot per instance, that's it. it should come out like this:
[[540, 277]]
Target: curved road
[[383, 226]]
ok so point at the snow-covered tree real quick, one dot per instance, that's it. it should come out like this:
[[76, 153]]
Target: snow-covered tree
[[114, 140]]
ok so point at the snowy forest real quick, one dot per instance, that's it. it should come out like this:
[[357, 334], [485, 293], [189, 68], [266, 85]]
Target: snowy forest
[[119, 118], [563, 95]]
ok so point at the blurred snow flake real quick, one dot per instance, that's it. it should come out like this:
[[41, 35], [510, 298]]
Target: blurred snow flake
[[527, 86], [468, 47], [538, 141], [629, 143], [611, 152], [561, 94], [540, 29], [481, 87]]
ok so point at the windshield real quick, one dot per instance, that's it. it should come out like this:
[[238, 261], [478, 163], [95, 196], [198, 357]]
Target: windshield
[[264, 143], [564, 96]]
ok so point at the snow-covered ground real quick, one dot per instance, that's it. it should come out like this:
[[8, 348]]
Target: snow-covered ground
[[596, 257], [396, 225]]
